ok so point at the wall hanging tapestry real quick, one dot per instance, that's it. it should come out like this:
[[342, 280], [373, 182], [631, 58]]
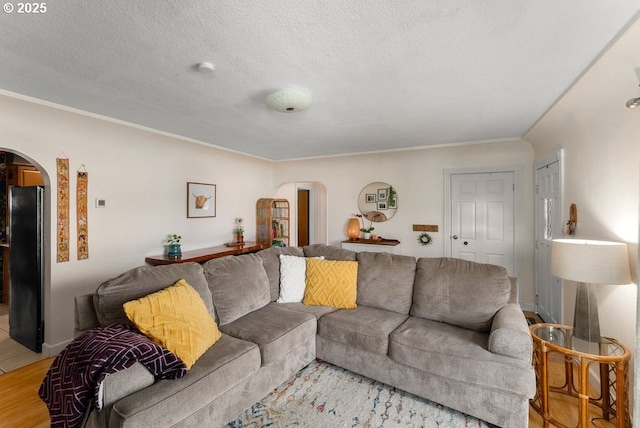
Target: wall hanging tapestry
[[63, 210], [82, 185]]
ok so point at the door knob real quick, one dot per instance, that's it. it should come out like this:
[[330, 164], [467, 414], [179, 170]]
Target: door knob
[[455, 236], [465, 243]]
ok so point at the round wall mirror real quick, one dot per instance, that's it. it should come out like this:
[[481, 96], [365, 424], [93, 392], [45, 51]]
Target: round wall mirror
[[378, 202]]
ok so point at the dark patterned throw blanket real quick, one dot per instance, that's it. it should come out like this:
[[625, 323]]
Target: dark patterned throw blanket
[[71, 387]]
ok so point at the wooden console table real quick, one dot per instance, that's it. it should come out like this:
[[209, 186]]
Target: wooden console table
[[201, 255]]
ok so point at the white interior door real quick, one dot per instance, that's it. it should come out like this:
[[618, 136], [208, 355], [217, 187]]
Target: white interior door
[[548, 225], [482, 218]]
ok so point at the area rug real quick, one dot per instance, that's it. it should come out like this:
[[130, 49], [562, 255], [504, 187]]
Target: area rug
[[323, 395]]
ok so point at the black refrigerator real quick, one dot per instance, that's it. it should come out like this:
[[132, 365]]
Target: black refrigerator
[[26, 243]]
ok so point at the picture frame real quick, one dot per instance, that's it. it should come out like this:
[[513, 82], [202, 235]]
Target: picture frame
[[201, 200], [382, 205], [383, 194], [370, 198], [393, 204]]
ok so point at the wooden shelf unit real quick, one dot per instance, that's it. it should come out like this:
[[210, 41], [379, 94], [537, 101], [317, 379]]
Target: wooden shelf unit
[[272, 222]]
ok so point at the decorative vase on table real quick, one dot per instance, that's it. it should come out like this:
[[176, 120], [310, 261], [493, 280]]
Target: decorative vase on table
[[174, 251], [367, 235], [239, 238], [353, 228]]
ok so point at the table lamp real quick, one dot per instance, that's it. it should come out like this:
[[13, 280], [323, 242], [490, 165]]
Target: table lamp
[[588, 263]]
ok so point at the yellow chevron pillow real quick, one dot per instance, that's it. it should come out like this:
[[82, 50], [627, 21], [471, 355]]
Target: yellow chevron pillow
[[331, 283], [176, 319]]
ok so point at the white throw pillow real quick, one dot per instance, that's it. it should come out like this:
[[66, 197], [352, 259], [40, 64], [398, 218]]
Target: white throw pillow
[[293, 271]]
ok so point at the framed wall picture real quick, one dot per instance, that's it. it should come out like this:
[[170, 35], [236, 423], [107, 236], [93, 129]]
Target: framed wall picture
[[201, 200], [382, 205], [371, 198], [383, 194]]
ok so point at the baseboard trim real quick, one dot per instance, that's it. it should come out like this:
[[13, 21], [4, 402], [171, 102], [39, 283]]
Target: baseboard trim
[[529, 307], [53, 350]]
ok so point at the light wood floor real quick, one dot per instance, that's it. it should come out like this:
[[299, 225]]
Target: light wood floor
[[20, 405]]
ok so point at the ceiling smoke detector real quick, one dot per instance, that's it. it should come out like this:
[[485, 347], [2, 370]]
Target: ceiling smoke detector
[[289, 100]]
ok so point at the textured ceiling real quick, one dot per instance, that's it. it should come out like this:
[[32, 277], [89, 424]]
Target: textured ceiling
[[384, 75]]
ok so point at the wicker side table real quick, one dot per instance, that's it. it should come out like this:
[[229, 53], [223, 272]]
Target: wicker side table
[[609, 356]]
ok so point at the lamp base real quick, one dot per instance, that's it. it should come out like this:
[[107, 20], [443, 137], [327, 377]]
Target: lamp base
[[586, 324]]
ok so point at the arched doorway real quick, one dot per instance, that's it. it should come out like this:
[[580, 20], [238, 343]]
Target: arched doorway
[[314, 212]]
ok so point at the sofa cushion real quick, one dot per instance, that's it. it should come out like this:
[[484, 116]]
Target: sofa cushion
[[329, 252], [459, 292], [364, 328], [316, 311], [276, 330], [331, 283], [293, 277], [238, 284], [460, 354], [112, 294], [271, 262], [177, 319], [168, 402], [385, 281]]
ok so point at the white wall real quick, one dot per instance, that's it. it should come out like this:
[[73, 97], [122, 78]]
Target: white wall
[[142, 175], [417, 175], [601, 138]]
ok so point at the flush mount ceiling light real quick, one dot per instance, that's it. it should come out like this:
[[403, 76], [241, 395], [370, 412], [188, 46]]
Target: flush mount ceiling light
[[289, 100], [205, 67], [633, 102]]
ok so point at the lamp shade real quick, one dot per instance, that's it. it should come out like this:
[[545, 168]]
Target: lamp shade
[[353, 228], [588, 261], [289, 100]]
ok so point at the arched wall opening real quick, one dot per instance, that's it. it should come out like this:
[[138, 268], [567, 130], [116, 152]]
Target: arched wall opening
[[318, 209]]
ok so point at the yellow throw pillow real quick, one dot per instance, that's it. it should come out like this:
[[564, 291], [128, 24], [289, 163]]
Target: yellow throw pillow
[[331, 283], [176, 319]]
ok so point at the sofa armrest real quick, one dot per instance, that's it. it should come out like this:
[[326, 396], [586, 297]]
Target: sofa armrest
[[510, 334], [119, 385], [84, 314]]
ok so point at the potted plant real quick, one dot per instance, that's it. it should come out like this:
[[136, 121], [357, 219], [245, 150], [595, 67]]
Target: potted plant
[[173, 246], [365, 230], [238, 230]]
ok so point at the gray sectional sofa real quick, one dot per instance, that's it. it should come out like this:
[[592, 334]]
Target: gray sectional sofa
[[445, 329]]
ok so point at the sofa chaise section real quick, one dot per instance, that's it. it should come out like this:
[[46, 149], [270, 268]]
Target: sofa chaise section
[[223, 369]]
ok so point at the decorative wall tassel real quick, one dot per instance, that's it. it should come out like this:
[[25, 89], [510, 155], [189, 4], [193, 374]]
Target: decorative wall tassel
[[82, 186], [63, 210]]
